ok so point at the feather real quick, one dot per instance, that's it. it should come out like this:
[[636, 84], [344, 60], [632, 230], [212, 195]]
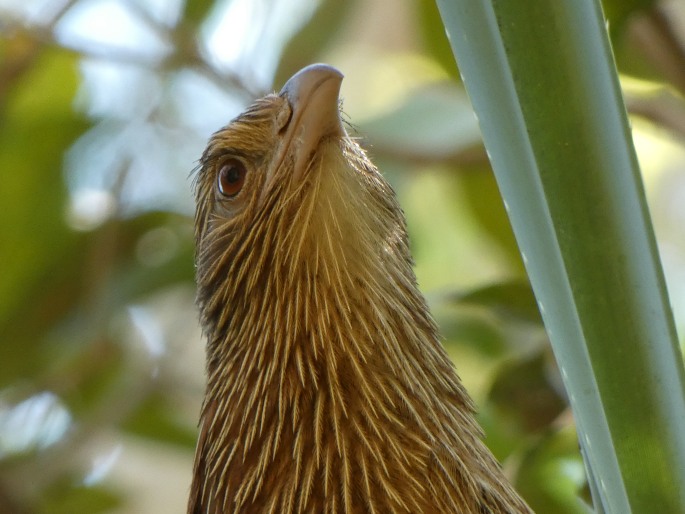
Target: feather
[[328, 389]]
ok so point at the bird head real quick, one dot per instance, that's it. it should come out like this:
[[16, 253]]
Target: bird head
[[284, 194]]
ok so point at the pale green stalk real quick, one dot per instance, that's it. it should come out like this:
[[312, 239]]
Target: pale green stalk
[[542, 80]]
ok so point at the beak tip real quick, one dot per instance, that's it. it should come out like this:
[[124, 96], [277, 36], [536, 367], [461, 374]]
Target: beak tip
[[313, 94], [308, 79]]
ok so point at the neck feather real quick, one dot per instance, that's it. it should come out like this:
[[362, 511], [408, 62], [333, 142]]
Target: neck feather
[[328, 389]]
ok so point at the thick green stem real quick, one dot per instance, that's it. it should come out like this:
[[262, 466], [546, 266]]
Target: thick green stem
[[543, 83]]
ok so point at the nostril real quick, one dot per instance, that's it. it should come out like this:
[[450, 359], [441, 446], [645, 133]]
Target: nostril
[[284, 116]]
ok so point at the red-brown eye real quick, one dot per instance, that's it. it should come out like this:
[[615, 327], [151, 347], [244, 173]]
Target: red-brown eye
[[231, 178]]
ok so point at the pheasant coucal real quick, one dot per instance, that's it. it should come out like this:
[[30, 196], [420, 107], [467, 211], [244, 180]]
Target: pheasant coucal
[[328, 389]]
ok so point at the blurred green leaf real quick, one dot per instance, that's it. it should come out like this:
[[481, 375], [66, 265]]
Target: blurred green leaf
[[434, 38], [485, 202], [551, 474], [37, 249], [618, 12], [46, 300], [472, 327], [514, 299], [475, 328], [434, 122], [65, 316], [67, 496], [157, 251], [624, 16], [155, 419], [196, 11], [525, 393], [90, 372]]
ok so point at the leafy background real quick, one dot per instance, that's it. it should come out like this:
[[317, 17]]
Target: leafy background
[[105, 105]]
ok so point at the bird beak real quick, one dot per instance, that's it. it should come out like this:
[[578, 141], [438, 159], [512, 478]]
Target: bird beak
[[313, 97]]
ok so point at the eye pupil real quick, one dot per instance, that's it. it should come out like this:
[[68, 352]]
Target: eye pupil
[[231, 177]]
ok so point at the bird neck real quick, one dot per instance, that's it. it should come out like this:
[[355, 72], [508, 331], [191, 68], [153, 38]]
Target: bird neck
[[328, 389], [347, 369]]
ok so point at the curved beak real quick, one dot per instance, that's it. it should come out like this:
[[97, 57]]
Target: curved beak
[[313, 94]]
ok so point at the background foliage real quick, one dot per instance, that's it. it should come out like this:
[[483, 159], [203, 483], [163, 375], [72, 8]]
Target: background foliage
[[105, 106]]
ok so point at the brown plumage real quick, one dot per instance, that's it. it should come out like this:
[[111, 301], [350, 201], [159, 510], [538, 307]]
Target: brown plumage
[[328, 389]]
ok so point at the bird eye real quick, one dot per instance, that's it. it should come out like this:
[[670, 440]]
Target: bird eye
[[231, 178]]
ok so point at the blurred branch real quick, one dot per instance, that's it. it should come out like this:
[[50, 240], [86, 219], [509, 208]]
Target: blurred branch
[[144, 15], [660, 42], [460, 158], [7, 503], [186, 51], [19, 57], [662, 109], [59, 11], [23, 48]]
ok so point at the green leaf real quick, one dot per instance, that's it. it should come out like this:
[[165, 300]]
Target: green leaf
[[546, 92]]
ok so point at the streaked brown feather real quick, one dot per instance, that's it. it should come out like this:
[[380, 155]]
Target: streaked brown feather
[[328, 389]]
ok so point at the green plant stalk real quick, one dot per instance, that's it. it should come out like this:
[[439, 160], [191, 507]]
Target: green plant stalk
[[543, 84]]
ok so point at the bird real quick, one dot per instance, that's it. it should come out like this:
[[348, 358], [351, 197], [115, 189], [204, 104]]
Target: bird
[[328, 388]]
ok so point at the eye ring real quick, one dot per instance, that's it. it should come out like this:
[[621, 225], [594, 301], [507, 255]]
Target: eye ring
[[231, 178]]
